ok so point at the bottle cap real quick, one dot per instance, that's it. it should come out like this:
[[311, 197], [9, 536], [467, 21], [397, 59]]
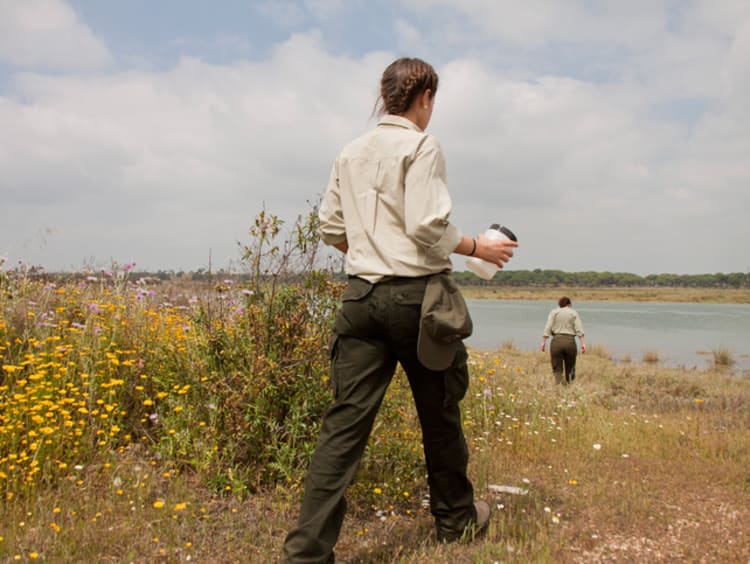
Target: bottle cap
[[508, 233], [505, 231]]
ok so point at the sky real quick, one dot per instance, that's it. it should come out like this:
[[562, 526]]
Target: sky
[[608, 135]]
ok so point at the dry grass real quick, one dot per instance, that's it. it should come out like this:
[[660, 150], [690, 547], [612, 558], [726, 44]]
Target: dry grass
[[723, 358], [600, 351], [632, 463], [651, 357]]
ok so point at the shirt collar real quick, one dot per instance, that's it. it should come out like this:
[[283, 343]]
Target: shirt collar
[[391, 119]]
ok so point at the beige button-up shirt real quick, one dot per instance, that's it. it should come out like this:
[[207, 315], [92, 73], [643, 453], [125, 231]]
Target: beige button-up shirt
[[388, 198], [563, 321]]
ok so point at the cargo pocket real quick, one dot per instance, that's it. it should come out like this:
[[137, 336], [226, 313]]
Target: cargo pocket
[[456, 378]]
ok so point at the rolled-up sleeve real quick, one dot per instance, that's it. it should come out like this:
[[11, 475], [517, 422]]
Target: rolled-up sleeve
[[578, 326], [428, 203], [332, 229], [548, 325]]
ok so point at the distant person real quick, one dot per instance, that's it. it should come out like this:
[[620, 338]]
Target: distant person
[[563, 324], [387, 207]]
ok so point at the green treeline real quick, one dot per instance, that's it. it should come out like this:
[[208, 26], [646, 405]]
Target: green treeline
[[519, 278], [539, 277]]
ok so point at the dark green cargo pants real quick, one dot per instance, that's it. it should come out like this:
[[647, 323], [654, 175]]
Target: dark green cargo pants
[[377, 327]]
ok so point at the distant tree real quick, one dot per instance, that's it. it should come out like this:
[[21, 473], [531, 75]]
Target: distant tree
[[540, 277]]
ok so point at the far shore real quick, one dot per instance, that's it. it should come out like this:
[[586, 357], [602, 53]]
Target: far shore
[[635, 294]]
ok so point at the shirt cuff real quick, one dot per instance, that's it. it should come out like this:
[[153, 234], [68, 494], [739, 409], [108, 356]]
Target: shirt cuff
[[331, 239], [447, 243]]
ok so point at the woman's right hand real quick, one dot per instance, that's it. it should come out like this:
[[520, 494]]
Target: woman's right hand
[[494, 251]]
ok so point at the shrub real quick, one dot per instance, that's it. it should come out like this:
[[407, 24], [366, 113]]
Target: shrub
[[651, 357], [722, 358], [600, 351]]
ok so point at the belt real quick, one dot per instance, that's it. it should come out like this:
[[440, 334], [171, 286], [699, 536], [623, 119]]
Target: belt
[[396, 279]]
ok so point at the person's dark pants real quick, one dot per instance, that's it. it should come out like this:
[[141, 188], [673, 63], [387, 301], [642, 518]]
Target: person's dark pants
[[377, 327], [563, 352]]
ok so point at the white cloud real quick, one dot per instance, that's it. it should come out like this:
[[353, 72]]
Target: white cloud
[[670, 49], [535, 22], [48, 34], [326, 8], [584, 167], [291, 14], [185, 157], [284, 13], [409, 36], [549, 134], [736, 71], [717, 17]]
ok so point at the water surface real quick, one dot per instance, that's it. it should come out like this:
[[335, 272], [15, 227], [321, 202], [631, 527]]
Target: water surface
[[678, 332]]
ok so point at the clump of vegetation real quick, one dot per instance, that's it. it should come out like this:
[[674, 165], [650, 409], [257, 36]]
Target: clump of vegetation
[[651, 357], [600, 351], [723, 358], [508, 345]]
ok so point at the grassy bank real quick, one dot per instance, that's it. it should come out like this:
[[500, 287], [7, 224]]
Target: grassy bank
[[639, 294], [631, 463]]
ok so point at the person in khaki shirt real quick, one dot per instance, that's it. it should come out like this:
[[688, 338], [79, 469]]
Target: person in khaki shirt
[[564, 325], [390, 185], [387, 207]]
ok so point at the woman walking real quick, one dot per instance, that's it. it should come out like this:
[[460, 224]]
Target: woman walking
[[387, 207], [563, 324]]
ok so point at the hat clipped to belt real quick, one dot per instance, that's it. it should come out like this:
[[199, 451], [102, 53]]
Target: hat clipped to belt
[[444, 324]]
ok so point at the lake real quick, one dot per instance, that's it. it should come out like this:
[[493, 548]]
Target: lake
[[679, 332]]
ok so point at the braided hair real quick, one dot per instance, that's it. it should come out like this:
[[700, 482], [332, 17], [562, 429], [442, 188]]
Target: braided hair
[[402, 81]]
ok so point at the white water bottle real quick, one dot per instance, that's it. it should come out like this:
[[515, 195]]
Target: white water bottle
[[485, 269]]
